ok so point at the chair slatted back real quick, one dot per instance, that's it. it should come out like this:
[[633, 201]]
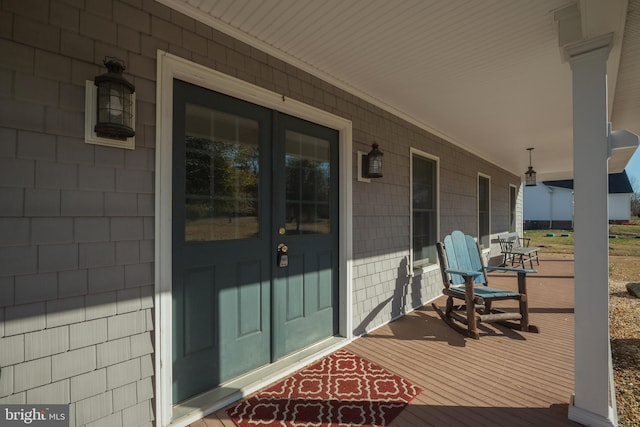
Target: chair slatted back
[[463, 254]]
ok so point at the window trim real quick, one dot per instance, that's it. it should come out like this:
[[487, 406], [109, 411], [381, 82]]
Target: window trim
[[488, 178], [513, 209], [416, 152]]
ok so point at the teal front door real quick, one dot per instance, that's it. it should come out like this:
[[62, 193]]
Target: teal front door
[[306, 211], [255, 217]]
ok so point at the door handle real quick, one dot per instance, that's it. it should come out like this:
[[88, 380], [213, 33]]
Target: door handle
[[283, 258]]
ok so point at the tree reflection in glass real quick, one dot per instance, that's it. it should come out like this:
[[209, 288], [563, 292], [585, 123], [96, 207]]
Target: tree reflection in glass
[[222, 176], [307, 167]]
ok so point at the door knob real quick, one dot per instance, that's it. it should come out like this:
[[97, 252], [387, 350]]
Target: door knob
[[283, 258]]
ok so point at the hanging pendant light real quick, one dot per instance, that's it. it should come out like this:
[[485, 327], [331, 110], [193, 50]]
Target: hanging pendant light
[[530, 174]]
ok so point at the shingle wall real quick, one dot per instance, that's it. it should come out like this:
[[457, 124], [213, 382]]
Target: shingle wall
[[382, 219], [77, 220]]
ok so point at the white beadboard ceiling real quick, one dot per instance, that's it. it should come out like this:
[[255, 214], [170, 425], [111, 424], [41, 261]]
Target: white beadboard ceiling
[[484, 74]]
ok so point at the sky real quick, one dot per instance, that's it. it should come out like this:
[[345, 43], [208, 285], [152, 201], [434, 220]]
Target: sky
[[633, 170]]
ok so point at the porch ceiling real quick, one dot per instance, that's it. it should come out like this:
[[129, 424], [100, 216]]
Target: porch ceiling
[[486, 75]]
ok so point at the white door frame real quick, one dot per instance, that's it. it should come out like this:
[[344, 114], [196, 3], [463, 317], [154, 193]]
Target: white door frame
[[169, 67]]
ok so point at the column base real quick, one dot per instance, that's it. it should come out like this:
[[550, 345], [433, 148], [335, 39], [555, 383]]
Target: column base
[[589, 418]]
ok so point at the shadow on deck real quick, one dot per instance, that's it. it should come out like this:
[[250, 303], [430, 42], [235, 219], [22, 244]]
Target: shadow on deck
[[505, 378]]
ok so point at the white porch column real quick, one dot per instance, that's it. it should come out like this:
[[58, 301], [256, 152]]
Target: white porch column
[[594, 398]]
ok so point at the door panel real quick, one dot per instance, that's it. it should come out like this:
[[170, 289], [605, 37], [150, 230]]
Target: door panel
[[194, 336], [198, 299], [244, 320], [325, 275], [305, 293], [294, 288], [221, 238], [249, 297]]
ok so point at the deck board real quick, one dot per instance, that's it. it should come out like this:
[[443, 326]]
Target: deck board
[[505, 378]]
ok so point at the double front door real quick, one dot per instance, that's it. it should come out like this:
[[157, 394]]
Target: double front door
[[255, 217]]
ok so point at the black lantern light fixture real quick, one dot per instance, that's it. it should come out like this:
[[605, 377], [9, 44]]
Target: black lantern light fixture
[[114, 102], [530, 174], [372, 163]]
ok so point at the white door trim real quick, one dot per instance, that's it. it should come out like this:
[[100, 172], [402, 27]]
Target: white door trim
[[170, 67]]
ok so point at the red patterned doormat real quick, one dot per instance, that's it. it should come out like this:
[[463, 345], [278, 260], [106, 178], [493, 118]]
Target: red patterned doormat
[[340, 390]]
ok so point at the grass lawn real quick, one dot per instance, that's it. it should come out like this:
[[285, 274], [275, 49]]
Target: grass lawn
[[624, 240], [624, 247]]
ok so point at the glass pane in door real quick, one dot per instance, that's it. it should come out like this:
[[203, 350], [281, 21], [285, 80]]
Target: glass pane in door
[[308, 179], [222, 175]]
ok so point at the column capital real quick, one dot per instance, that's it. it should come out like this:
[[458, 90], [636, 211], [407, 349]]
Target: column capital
[[600, 46]]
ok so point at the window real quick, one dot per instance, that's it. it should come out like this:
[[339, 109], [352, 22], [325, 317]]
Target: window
[[424, 209], [513, 195], [484, 207], [308, 184], [222, 162]]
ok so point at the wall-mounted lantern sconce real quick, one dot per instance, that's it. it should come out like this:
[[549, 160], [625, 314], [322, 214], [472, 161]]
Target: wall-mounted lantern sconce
[[530, 174], [110, 107], [372, 163], [114, 109]]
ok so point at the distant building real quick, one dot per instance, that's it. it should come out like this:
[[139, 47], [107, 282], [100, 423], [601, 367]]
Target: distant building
[[550, 203]]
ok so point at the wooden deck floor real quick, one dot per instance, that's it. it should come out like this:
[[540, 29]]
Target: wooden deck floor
[[506, 378]]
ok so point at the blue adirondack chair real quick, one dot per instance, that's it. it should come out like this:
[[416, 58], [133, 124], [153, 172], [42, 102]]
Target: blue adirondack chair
[[462, 269]]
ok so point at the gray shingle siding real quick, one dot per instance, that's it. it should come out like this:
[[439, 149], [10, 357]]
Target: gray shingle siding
[[77, 252], [73, 216]]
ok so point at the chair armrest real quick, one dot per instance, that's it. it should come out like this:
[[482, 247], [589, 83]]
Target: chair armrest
[[522, 276], [514, 270], [526, 240], [464, 273]]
